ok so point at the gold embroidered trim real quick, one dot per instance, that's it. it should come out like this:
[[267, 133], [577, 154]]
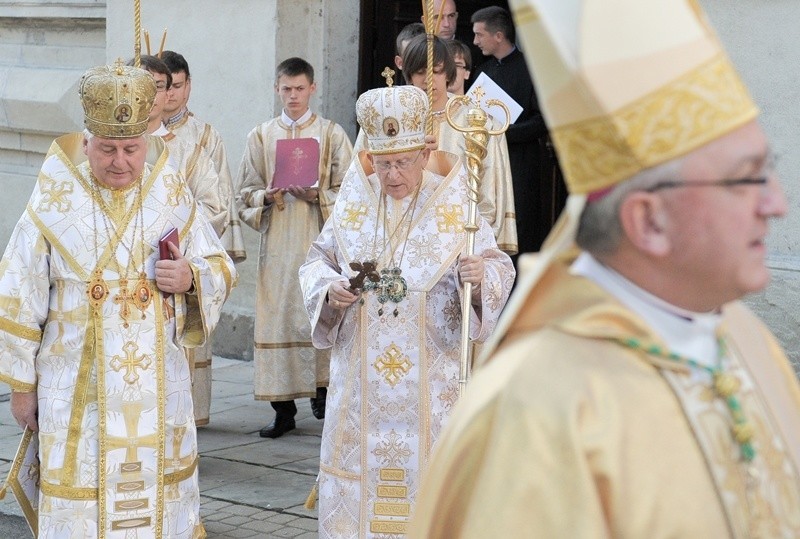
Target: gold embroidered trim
[[392, 474], [205, 137], [130, 523], [683, 115], [18, 330], [341, 474], [89, 493], [131, 505], [392, 491], [181, 475], [161, 395], [299, 127], [387, 509], [67, 493], [48, 234], [91, 345], [388, 527], [16, 385]]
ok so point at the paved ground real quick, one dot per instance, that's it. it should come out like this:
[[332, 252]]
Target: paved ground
[[250, 486]]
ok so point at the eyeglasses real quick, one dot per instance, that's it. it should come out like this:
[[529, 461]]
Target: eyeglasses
[[707, 183], [161, 86], [462, 66], [382, 167]]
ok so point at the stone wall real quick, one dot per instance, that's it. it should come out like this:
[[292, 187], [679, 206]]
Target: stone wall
[[44, 49]]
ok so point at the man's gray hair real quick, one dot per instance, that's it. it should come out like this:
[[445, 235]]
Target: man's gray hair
[[599, 229]]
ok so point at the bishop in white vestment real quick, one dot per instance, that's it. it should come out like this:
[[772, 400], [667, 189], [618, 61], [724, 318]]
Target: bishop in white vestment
[[399, 235]]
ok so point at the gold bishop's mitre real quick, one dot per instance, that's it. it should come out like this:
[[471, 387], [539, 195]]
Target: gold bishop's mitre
[[117, 100], [627, 84]]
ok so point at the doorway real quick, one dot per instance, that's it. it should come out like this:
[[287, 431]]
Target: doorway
[[382, 20]]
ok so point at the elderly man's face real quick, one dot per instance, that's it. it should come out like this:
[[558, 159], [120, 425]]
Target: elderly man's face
[[400, 173], [117, 163], [717, 234]]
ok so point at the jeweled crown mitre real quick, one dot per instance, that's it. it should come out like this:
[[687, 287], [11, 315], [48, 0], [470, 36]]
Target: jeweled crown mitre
[[117, 100], [393, 119]]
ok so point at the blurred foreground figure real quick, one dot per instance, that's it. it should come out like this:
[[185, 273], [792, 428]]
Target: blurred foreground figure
[[629, 394]]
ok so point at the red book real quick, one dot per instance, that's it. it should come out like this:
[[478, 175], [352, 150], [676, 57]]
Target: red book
[[296, 162], [163, 248]]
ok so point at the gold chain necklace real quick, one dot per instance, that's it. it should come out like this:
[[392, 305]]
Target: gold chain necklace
[[391, 285], [98, 289]]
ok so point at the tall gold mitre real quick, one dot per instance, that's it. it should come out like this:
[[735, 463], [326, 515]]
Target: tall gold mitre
[[624, 85], [117, 100]]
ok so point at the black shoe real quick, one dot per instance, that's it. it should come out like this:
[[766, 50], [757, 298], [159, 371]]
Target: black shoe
[[278, 427], [318, 402]]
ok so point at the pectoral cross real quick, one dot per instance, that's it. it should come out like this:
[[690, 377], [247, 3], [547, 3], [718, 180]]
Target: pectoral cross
[[123, 299], [387, 74], [130, 362], [366, 270]]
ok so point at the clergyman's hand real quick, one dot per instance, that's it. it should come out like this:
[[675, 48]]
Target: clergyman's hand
[[301, 193], [470, 269], [174, 276], [24, 407], [339, 297]]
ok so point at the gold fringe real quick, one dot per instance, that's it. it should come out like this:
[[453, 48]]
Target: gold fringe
[[311, 501]]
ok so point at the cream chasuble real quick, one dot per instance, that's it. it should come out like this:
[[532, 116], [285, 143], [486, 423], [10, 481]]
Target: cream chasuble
[[200, 155], [568, 433], [192, 130], [394, 379], [496, 202], [204, 183], [84, 325], [287, 366]]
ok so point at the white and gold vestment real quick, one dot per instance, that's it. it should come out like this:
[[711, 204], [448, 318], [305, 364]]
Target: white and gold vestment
[[83, 324], [394, 378]]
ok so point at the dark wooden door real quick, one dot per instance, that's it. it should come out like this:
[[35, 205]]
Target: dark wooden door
[[382, 20]]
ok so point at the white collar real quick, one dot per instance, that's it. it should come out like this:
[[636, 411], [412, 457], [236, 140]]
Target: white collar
[[687, 333], [292, 123], [161, 131]]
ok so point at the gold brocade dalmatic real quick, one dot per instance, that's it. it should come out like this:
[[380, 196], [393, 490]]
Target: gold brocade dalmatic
[[287, 366], [394, 379], [84, 324], [570, 434]]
